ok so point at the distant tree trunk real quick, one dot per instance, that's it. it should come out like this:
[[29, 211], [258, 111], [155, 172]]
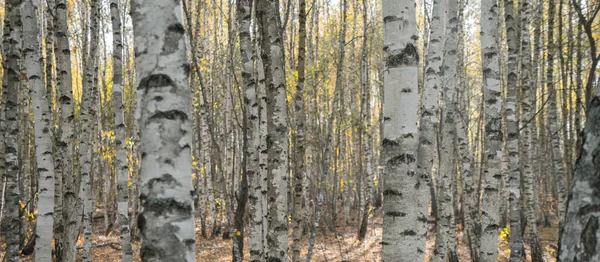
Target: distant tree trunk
[[166, 220], [86, 147], [68, 230], [512, 127], [526, 138], [269, 24], [121, 164], [558, 170], [10, 90], [329, 140], [491, 176], [428, 137], [366, 126], [244, 14], [579, 237], [406, 193], [43, 131], [300, 141], [445, 240], [263, 157]]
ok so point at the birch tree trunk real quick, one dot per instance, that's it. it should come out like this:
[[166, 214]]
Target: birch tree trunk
[[366, 126], [445, 240], [86, 142], [557, 160], [68, 230], [512, 128], [406, 193], [10, 90], [42, 131], [491, 176], [251, 138], [526, 137], [166, 220], [121, 164], [300, 141], [428, 136], [269, 23], [579, 237]]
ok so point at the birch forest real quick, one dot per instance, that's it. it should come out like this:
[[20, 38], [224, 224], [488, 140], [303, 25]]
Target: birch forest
[[300, 130]]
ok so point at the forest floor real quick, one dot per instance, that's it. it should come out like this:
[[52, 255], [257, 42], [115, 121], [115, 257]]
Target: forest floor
[[342, 246]]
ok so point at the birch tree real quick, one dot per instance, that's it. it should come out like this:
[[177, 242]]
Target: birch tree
[[66, 232], [42, 129], [512, 126], [406, 193], [10, 89], [166, 220], [558, 168], [366, 125], [445, 240], [579, 237], [300, 140], [428, 138], [491, 176], [251, 138], [122, 166], [269, 24], [88, 114], [527, 135]]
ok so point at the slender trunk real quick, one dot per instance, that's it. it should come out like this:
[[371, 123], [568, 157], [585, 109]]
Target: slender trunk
[[445, 241], [166, 221], [121, 164], [428, 137], [86, 142], [406, 193], [557, 155], [68, 230], [10, 90], [43, 132], [491, 176], [512, 128], [244, 14], [366, 129], [277, 144], [300, 141], [526, 137]]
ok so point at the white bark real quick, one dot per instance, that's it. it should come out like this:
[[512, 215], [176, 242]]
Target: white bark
[[526, 137], [86, 144], [406, 193], [42, 131], [445, 241], [121, 164], [277, 137], [68, 229], [512, 127], [251, 122], [491, 176], [166, 220]]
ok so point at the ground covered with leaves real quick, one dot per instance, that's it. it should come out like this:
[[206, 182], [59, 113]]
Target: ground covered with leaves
[[339, 246]]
